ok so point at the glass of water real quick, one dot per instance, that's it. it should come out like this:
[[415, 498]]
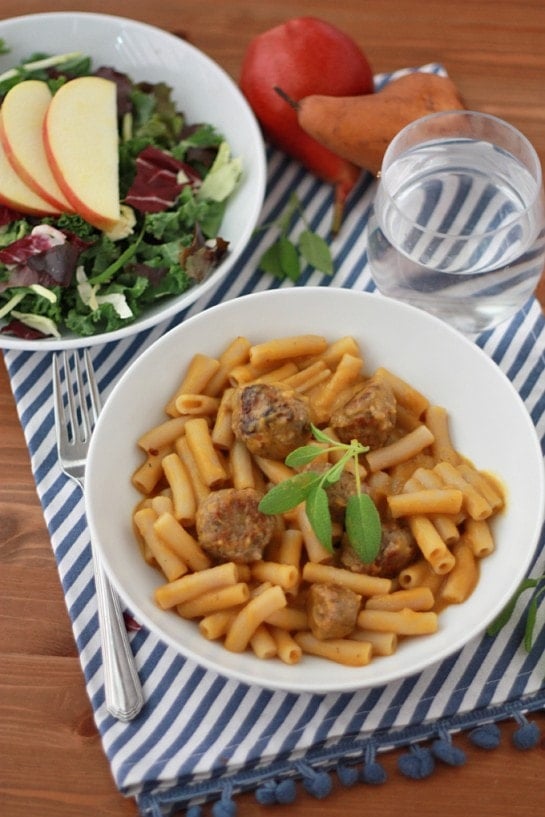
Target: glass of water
[[458, 223]]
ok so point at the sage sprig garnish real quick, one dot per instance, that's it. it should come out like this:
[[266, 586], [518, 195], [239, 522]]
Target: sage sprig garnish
[[285, 257], [501, 620], [362, 520]]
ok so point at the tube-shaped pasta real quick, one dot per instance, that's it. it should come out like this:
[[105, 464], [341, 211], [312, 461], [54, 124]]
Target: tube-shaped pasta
[[181, 542], [360, 583], [401, 450], [475, 503], [343, 378], [431, 545], [287, 576], [287, 648], [483, 484], [437, 420], [170, 563], [201, 368], [274, 470], [405, 394], [262, 643], [183, 498], [289, 618], [341, 650], [420, 574], [162, 435], [194, 584], [426, 501], [209, 464], [241, 466], [199, 405], [147, 475], [278, 374], [209, 602], [215, 625], [316, 552], [252, 615], [235, 354], [478, 536], [308, 377], [401, 622], [414, 598], [222, 430], [463, 577], [290, 547], [288, 347], [382, 643], [200, 489]]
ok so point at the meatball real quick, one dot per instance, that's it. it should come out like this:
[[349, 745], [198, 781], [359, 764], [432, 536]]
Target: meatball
[[398, 549], [230, 526], [369, 416], [332, 610], [270, 419]]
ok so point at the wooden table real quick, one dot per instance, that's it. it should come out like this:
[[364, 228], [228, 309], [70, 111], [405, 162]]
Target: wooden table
[[52, 763]]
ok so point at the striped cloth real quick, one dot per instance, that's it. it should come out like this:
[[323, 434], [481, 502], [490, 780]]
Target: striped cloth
[[202, 736]]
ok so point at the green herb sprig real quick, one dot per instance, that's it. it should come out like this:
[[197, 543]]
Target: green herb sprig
[[501, 620], [362, 520], [285, 258]]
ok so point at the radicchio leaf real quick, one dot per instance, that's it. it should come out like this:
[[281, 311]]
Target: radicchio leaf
[[158, 180]]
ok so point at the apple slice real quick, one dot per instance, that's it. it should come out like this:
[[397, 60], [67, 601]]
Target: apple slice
[[81, 144], [16, 194], [23, 113]]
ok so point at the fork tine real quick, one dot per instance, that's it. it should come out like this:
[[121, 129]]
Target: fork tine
[[76, 395], [96, 403]]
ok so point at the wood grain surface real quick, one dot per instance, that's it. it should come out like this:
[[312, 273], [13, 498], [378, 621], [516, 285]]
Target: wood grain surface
[[51, 760]]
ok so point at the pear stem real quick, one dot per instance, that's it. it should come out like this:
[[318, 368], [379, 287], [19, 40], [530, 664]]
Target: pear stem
[[287, 98]]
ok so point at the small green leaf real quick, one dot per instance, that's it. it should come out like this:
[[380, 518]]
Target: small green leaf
[[303, 455], [288, 494], [502, 618], [316, 251], [270, 261], [321, 436], [363, 526], [289, 258], [530, 624], [317, 510], [335, 472]]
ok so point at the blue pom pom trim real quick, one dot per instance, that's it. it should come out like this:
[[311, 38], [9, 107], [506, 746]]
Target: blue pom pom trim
[[353, 759]]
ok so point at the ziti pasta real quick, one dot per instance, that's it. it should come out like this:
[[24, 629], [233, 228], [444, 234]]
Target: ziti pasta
[[270, 582]]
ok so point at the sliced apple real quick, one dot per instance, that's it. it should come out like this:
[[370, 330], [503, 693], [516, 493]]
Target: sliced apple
[[81, 144], [16, 194], [23, 113]]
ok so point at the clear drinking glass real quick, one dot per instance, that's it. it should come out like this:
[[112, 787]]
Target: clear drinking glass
[[458, 223]]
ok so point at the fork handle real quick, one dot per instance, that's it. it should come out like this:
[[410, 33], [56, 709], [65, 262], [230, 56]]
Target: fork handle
[[123, 691]]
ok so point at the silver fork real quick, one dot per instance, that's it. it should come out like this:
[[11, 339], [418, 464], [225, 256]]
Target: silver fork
[[77, 405]]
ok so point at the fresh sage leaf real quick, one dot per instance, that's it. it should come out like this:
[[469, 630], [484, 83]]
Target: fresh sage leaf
[[363, 527], [362, 519], [303, 455], [317, 510], [316, 252], [502, 618], [283, 259], [288, 494]]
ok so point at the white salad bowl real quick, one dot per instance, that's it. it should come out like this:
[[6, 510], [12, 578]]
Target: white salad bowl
[[201, 89], [489, 425]]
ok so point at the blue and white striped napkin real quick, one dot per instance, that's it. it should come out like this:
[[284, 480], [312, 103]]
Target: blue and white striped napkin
[[201, 736]]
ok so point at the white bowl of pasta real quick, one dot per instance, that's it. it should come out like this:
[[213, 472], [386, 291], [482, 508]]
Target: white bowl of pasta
[[148, 523], [175, 106]]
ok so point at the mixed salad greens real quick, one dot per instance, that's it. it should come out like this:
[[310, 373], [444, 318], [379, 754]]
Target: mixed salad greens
[[61, 274]]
